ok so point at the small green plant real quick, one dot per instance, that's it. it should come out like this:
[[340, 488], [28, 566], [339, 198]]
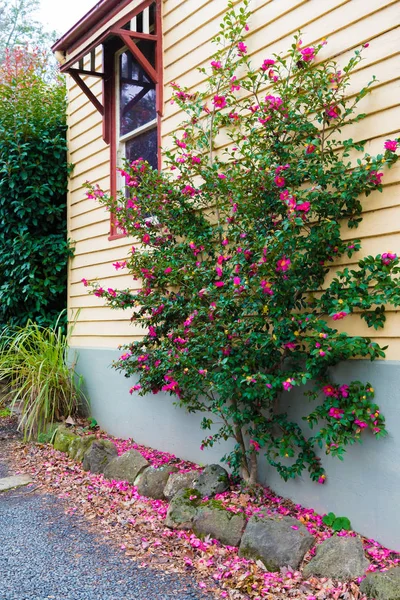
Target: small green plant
[[337, 523], [33, 363], [92, 423], [5, 412]]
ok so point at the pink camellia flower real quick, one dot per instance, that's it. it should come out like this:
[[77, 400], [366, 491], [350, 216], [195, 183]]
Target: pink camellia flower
[[361, 424], [221, 176], [242, 48], [307, 54], [339, 315], [85, 282], [219, 101], [321, 480], [330, 391], [146, 238], [196, 160], [310, 148], [219, 284], [274, 102], [267, 287], [99, 292], [203, 372], [304, 206], [344, 391], [333, 112], [255, 445], [268, 62], [388, 257], [391, 145], [375, 177], [216, 64], [279, 181], [290, 345], [236, 281], [283, 264], [168, 270], [180, 144], [336, 413], [288, 384], [112, 292], [225, 242], [135, 388]]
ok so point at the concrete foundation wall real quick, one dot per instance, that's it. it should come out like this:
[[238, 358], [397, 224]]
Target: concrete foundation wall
[[365, 487]]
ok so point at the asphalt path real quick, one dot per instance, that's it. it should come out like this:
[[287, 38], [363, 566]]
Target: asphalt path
[[46, 554]]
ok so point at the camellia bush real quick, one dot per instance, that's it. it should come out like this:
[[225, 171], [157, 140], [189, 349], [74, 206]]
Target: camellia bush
[[234, 240], [34, 249]]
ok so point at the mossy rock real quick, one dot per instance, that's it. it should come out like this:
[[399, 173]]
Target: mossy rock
[[214, 520], [63, 439], [99, 455], [384, 585], [183, 509], [79, 446]]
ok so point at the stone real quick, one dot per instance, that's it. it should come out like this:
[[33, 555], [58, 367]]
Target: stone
[[183, 509], [79, 446], [179, 481], [213, 480], [100, 453], [152, 481], [126, 467], [383, 585], [338, 558], [214, 520], [63, 438], [277, 542], [15, 481]]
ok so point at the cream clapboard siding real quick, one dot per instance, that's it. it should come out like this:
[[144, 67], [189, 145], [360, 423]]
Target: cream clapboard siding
[[188, 27]]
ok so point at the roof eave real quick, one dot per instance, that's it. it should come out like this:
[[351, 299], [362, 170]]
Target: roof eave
[[87, 22]]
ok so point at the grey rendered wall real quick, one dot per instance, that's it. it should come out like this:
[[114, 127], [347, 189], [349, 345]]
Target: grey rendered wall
[[364, 487]]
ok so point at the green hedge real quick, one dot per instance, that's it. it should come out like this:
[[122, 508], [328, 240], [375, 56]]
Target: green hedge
[[33, 183]]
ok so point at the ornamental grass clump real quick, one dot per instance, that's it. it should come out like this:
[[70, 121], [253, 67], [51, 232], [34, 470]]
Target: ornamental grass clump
[[44, 387], [233, 242]]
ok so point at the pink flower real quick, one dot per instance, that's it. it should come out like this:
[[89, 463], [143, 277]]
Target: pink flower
[[236, 281], [330, 391], [219, 101], [307, 54], [203, 372], [339, 315], [304, 206], [146, 238], [99, 292], [219, 284], [283, 264], [288, 384], [333, 112], [268, 62], [375, 177], [274, 102], [279, 181], [344, 391], [135, 388], [180, 144], [216, 64], [321, 480], [168, 270], [225, 242], [391, 145], [267, 287], [85, 282], [255, 445], [388, 257], [221, 176], [336, 413], [112, 292], [196, 160], [361, 424], [290, 345], [242, 48], [310, 148]]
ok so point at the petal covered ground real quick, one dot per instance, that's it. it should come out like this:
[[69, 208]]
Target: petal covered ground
[[136, 525]]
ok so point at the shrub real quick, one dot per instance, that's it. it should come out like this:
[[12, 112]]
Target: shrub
[[233, 248], [33, 363], [33, 184]]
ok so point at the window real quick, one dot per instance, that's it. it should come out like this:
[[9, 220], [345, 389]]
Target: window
[[131, 71], [137, 135]]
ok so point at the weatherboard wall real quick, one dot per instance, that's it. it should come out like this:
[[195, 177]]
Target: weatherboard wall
[[366, 487]]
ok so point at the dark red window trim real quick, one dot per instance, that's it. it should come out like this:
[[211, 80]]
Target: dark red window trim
[[112, 40]]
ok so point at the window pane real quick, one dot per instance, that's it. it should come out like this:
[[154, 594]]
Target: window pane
[[143, 146], [137, 95]]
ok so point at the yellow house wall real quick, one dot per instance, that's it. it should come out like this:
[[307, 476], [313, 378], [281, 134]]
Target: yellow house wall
[[188, 26]]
